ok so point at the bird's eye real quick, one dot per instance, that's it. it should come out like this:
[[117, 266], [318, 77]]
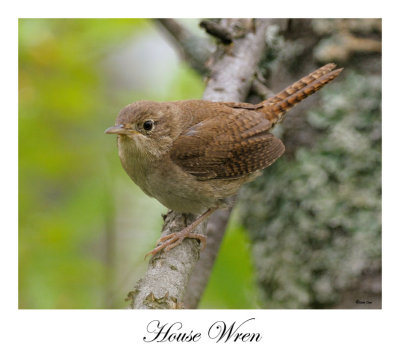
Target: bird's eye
[[148, 125]]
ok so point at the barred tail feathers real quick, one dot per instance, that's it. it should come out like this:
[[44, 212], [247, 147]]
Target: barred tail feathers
[[298, 91]]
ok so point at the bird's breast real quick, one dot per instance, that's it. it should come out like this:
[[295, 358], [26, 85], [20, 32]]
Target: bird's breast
[[169, 184]]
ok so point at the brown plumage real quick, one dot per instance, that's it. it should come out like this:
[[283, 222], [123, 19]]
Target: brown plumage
[[229, 145], [235, 142], [191, 155]]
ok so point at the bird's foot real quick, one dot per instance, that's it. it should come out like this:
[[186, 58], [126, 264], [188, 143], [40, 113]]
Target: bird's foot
[[172, 240]]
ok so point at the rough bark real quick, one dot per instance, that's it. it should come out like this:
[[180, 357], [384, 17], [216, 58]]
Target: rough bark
[[315, 242], [167, 275]]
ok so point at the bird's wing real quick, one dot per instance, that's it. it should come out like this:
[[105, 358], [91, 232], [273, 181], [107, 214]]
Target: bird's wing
[[230, 144]]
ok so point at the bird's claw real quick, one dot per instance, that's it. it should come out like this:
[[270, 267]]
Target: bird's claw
[[172, 240]]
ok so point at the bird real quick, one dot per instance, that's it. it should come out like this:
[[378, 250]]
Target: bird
[[192, 155]]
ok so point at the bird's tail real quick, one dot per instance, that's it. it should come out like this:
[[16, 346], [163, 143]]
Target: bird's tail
[[279, 104]]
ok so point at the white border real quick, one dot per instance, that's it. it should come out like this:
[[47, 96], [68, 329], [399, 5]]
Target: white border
[[342, 336]]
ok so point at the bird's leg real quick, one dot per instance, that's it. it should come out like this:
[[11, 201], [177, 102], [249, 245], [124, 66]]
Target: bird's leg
[[172, 240]]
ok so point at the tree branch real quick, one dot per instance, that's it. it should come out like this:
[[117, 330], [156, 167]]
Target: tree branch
[[201, 273], [215, 29], [168, 273], [230, 80], [194, 50]]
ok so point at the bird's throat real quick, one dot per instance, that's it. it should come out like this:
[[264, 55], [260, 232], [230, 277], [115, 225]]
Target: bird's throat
[[136, 160]]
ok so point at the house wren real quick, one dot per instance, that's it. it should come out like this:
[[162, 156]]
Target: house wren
[[192, 155]]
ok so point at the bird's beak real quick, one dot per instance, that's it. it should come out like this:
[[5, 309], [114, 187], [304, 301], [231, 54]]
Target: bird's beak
[[119, 129]]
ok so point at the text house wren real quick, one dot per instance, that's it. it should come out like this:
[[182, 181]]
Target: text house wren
[[192, 155]]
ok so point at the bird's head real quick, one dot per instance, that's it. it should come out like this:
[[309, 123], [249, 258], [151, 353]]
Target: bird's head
[[147, 126]]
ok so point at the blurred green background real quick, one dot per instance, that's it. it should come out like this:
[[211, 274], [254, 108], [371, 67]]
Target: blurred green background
[[84, 227]]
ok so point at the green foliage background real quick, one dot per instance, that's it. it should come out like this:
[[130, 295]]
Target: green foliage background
[[84, 227]]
